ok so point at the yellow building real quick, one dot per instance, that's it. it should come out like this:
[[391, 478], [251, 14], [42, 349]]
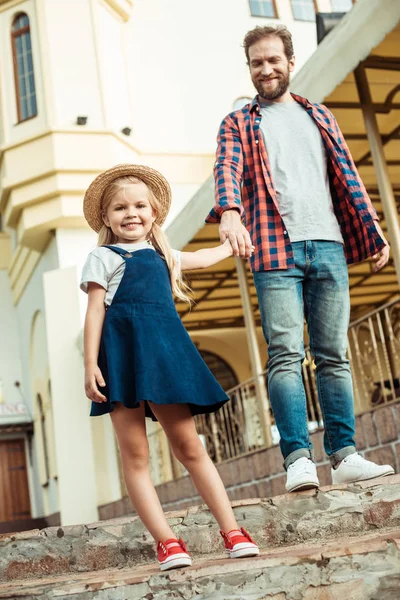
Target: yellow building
[[84, 85]]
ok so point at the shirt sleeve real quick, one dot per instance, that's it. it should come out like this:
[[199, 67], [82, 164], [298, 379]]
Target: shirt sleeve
[[228, 171], [178, 257], [363, 201], [93, 271]]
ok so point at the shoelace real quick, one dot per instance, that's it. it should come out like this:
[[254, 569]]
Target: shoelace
[[299, 468], [354, 459], [234, 533], [172, 544]]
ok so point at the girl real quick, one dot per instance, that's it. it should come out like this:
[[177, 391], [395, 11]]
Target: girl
[[139, 360]]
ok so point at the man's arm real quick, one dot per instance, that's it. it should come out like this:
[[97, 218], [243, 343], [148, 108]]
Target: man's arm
[[382, 257], [365, 200], [228, 171]]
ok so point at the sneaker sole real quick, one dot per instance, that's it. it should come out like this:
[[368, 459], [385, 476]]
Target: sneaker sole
[[176, 563], [306, 485], [367, 479], [243, 552]]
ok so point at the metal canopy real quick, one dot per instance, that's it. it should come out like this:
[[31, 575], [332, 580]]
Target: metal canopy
[[369, 33]]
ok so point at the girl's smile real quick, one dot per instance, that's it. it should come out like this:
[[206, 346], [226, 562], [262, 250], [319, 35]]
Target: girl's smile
[[130, 214]]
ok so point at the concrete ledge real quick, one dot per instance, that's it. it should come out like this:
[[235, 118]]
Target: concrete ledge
[[308, 572], [274, 522], [260, 474]]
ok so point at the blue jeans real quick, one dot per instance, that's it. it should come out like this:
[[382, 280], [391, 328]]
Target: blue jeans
[[317, 288]]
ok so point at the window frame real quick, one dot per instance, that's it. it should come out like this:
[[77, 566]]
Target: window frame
[[352, 3], [316, 9], [43, 431], [222, 362], [14, 36], [274, 6]]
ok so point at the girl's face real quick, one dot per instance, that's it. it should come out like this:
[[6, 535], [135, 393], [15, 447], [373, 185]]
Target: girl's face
[[130, 214]]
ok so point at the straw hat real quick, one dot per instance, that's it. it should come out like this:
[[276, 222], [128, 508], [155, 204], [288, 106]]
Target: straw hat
[[152, 178]]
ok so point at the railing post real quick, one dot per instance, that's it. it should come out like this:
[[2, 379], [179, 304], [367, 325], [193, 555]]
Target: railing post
[[255, 359], [391, 349], [374, 361], [214, 433]]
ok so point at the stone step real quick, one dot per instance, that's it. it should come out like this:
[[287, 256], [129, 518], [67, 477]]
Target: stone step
[[287, 520], [365, 567]]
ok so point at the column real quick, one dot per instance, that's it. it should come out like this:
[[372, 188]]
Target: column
[[381, 169], [254, 352], [72, 427]]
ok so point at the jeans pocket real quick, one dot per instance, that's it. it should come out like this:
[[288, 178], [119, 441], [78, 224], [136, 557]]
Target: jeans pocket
[[331, 266]]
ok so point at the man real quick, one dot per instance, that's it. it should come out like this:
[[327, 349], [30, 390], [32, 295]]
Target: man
[[283, 165]]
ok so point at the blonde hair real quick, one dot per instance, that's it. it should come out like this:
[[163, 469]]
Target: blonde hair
[[156, 235]]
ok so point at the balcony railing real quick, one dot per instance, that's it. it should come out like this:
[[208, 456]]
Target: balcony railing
[[237, 428], [374, 353]]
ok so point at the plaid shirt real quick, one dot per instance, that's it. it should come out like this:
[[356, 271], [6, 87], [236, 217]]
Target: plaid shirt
[[243, 181]]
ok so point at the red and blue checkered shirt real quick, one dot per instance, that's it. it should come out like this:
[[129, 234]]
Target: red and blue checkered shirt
[[243, 181]]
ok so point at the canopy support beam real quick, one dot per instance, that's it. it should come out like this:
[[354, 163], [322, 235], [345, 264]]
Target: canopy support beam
[[378, 158], [254, 352]]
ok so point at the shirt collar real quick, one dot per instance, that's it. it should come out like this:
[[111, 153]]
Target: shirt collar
[[255, 104], [312, 110]]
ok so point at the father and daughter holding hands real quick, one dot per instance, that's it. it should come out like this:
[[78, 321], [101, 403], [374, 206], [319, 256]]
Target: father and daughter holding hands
[[283, 166]]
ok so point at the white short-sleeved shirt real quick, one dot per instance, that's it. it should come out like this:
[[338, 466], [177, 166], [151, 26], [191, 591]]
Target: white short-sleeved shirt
[[105, 267]]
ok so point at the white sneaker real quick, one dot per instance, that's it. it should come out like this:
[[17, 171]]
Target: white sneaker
[[302, 475], [355, 468]]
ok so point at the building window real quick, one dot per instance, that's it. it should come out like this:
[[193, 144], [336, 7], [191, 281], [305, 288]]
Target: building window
[[341, 6], [23, 68], [303, 10], [263, 8], [43, 432]]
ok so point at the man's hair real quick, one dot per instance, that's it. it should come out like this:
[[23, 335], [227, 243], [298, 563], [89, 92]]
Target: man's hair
[[258, 33]]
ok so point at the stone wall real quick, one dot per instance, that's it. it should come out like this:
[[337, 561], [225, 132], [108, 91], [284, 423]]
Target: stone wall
[[27, 524], [260, 473]]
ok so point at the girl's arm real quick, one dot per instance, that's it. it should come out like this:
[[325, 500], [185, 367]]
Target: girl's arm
[[201, 259], [92, 333]]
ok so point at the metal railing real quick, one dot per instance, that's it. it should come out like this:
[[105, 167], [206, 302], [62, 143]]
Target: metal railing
[[374, 354], [234, 430]]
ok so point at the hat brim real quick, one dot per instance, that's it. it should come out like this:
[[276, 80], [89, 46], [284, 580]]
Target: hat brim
[[152, 178]]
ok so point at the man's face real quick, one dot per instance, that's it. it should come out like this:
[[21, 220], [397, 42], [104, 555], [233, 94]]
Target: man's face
[[269, 68]]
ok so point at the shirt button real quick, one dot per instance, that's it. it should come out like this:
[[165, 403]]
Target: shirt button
[[285, 232], [256, 141]]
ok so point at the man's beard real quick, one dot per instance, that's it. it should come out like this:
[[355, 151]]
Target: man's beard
[[283, 82]]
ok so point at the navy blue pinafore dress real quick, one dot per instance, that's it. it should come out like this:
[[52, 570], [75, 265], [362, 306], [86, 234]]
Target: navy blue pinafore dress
[[145, 352]]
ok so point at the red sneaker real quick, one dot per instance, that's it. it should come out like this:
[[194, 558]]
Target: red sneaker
[[173, 554], [239, 544]]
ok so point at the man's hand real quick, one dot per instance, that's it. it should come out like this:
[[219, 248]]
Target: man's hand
[[382, 257], [232, 228]]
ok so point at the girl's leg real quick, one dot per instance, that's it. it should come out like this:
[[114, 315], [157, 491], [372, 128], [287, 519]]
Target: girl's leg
[[179, 426], [129, 425]]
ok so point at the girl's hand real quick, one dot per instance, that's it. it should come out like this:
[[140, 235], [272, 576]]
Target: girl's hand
[[227, 244], [93, 376], [228, 247], [206, 257]]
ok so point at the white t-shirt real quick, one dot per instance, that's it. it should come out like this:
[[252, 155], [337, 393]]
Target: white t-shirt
[[105, 267]]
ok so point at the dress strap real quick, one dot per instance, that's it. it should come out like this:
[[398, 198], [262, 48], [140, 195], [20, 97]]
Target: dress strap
[[120, 251]]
